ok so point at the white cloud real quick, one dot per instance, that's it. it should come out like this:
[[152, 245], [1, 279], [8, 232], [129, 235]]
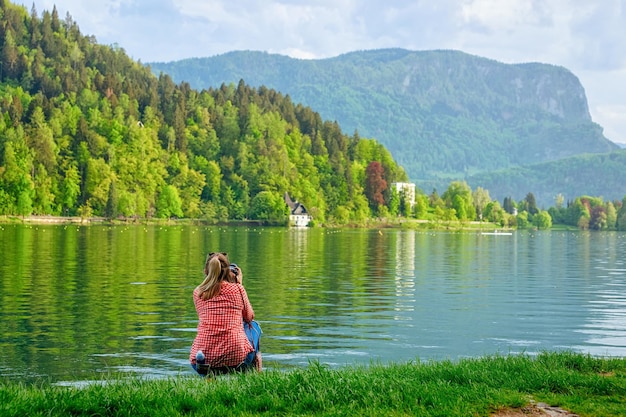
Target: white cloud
[[280, 27], [613, 119], [606, 93], [97, 16], [498, 15], [600, 31]]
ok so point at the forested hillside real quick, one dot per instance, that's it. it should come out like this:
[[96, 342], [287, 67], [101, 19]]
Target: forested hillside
[[444, 115], [601, 175], [87, 131]]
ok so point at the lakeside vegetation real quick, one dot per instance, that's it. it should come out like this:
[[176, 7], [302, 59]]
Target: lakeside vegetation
[[87, 132], [430, 212], [581, 384]]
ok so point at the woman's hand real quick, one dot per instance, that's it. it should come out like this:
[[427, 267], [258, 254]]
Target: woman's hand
[[239, 276]]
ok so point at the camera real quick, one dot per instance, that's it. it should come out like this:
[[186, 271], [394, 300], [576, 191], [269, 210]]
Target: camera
[[236, 273]]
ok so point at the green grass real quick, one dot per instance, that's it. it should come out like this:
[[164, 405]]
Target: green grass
[[582, 384]]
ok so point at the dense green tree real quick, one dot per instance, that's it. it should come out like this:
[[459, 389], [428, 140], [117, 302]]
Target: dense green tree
[[228, 130], [459, 197], [394, 202], [24, 203], [15, 179], [241, 198], [41, 141], [269, 206], [213, 178], [406, 204], [529, 204], [44, 193], [507, 205], [621, 216], [459, 206], [341, 215], [6, 203], [480, 198], [191, 184], [169, 203], [542, 220], [611, 216], [522, 220], [494, 212], [435, 200], [420, 209], [111, 209], [575, 212], [558, 214], [97, 181], [10, 55], [232, 208], [359, 209]]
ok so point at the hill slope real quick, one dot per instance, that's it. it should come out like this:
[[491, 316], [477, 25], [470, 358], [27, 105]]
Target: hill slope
[[85, 130], [443, 114]]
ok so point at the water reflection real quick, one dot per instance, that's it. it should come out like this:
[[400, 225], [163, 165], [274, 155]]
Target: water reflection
[[80, 302], [405, 272], [606, 325]]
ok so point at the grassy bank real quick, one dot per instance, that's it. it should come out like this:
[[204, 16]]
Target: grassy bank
[[473, 387]]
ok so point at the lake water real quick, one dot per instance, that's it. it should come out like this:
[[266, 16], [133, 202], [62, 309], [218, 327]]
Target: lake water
[[81, 302]]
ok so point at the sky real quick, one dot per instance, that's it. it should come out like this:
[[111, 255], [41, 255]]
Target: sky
[[588, 37]]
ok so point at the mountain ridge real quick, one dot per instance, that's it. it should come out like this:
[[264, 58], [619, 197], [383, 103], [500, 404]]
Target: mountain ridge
[[444, 114]]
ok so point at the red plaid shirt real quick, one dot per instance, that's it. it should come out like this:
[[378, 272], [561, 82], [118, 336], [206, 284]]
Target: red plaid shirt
[[220, 329]]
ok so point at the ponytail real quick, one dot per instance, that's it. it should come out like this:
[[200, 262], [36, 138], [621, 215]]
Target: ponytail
[[215, 270]]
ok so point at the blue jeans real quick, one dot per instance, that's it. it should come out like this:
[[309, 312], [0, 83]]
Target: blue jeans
[[253, 332]]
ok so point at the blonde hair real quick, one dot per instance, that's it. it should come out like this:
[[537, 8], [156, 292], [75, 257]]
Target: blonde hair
[[216, 270]]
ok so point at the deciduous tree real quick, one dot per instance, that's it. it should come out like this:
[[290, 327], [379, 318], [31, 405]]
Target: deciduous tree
[[542, 220], [169, 203], [463, 205], [480, 198], [621, 216], [530, 204], [375, 185], [611, 216], [598, 218], [268, 206]]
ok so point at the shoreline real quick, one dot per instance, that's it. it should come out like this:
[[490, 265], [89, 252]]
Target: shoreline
[[380, 224], [87, 221]]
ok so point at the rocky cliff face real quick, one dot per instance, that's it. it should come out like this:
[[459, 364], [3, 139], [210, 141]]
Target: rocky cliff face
[[560, 95], [558, 92], [479, 83]]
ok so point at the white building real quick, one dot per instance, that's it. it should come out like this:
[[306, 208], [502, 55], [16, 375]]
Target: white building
[[298, 216], [407, 189]]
